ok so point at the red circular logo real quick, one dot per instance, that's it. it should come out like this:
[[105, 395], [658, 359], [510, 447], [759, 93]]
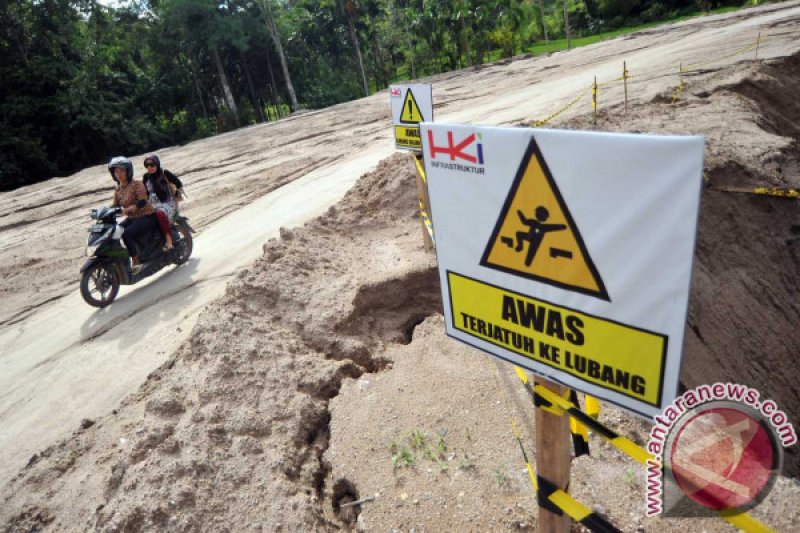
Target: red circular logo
[[723, 458]]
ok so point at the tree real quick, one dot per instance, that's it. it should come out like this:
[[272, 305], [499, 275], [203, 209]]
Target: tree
[[269, 19], [350, 9], [542, 21], [203, 21]]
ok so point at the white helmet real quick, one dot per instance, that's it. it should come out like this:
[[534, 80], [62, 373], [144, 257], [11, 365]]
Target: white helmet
[[121, 162]]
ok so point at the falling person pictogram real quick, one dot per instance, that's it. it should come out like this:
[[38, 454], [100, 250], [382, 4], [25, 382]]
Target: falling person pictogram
[[535, 235], [566, 262]]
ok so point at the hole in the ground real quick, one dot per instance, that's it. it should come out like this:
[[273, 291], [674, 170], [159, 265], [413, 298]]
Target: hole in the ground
[[411, 325], [730, 174], [344, 492], [326, 388], [775, 94], [388, 311], [318, 431], [319, 476]]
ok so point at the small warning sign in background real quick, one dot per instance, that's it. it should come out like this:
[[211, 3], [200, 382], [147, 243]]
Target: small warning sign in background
[[569, 253], [411, 105]]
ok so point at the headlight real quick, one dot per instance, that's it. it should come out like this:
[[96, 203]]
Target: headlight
[[91, 249]]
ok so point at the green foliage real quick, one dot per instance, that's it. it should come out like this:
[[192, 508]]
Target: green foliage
[[401, 456], [82, 82], [417, 442], [501, 476]]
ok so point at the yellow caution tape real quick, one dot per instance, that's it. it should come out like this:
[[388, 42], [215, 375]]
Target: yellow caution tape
[[689, 68], [680, 87], [428, 224], [592, 406], [537, 123], [549, 496], [722, 58], [734, 517], [773, 191], [423, 213], [744, 521], [420, 168], [580, 434], [677, 92], [789, 192]]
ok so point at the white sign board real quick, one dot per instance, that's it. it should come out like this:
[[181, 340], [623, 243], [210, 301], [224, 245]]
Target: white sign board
[[568, 253], [411, 104]]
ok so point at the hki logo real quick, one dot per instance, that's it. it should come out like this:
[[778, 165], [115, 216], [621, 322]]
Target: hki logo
[[458, 151]]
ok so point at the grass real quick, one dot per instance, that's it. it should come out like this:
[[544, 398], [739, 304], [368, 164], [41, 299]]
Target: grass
[[401, 456], [501, 476], [556, 45], [417, 446]]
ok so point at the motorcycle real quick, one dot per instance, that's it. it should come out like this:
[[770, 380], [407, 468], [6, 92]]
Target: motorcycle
[[108, 265]]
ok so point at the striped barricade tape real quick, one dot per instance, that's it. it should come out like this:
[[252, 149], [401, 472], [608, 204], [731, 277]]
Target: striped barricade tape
[[428, 225], [420, 168], [548, 495], [553, 403]]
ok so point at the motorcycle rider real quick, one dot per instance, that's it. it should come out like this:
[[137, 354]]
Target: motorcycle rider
[[163, 187], [132, 197]]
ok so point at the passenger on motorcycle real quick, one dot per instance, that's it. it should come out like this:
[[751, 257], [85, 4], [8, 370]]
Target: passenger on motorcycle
[[132, 197], [162, 186]]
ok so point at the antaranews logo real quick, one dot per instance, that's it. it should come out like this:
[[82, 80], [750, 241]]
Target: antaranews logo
[[457, 154], [719, 448]]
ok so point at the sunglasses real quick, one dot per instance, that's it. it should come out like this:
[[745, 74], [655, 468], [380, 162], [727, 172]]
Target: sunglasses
[[150, 164]]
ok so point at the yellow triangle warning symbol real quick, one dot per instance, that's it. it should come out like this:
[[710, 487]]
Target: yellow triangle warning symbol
[[536, 237], [411, 113]]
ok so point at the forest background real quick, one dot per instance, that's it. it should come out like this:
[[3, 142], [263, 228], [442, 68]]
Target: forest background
[[84, 80]]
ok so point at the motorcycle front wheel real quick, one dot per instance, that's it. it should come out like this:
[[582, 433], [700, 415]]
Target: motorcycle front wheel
[[100, 285]]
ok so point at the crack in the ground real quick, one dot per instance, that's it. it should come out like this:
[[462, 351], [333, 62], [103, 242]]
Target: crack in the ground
[[54, 201], [26, 312]]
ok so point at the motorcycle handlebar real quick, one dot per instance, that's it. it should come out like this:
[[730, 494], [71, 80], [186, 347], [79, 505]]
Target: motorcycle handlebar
[[102, 212]]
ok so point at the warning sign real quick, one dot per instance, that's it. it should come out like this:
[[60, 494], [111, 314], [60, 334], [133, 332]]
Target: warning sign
[[535, 235], [411, 113], [407, 137], [411, 105], [568, 253]]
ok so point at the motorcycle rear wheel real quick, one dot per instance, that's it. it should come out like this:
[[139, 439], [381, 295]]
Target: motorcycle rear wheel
[[100, 285]]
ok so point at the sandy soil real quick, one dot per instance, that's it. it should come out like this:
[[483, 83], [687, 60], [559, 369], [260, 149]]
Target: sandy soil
[[326, 356]]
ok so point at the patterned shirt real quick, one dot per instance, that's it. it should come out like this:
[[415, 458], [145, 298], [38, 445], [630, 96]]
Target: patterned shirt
[[126, 196]]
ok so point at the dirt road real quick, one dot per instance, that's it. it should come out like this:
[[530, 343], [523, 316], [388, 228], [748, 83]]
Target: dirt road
[[62, 361]]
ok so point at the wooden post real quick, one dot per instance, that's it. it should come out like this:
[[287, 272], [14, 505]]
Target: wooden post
[[594, 99], [422, 196], [625, 81], [566, 24], [553, 459], [758, 42]]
